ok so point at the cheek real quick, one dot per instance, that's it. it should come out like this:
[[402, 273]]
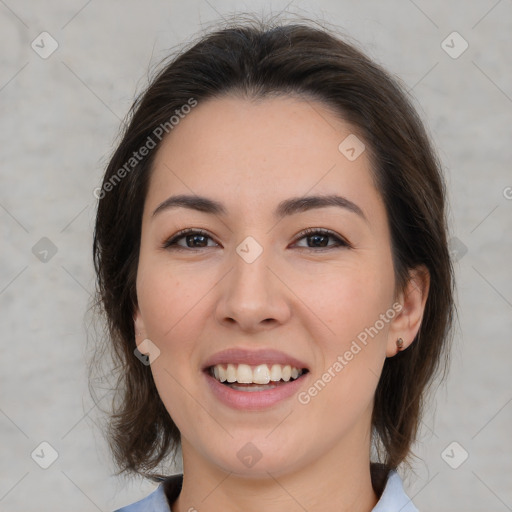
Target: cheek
[[174, 317], [348, 299], [357, 306], [355, 303], [168, 299], [173, 314]]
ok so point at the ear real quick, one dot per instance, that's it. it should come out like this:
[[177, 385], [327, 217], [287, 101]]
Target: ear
[[412, 300], [139, 327]]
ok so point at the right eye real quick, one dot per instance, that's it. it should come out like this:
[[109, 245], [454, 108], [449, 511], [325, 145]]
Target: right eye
[[197, 238]]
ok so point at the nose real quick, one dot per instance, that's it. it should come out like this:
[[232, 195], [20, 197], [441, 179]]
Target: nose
[[252, 296]]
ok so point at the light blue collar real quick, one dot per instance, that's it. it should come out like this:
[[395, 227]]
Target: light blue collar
[[393, 498]]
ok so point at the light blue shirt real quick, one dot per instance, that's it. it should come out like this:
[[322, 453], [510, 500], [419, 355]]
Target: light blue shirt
[[393, 499]]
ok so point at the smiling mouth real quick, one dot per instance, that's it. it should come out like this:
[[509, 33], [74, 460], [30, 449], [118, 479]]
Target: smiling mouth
[[244, 377]]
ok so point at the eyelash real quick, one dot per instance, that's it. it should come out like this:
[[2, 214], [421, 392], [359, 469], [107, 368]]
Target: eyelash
[[171, 243]]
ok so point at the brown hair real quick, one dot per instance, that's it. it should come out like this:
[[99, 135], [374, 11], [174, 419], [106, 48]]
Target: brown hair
[[256, 59]]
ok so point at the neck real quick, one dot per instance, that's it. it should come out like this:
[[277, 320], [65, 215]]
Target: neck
[[327, 484]]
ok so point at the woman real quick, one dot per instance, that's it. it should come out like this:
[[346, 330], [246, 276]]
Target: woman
[[272, 262]]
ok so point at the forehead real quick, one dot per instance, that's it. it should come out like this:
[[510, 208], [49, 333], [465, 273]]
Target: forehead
[[252, 153]]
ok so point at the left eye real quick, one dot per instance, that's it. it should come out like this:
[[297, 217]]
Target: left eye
[[320, 239]]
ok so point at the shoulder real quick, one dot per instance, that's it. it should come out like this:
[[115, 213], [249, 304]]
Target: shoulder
[[157, 501], [394, 498]]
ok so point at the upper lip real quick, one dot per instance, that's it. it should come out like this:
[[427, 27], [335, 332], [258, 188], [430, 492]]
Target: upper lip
[[253, 357]]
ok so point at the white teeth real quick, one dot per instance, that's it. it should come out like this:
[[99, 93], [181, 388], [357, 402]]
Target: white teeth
[[261, 374], [275, 372], [244, 374], [231, 373]]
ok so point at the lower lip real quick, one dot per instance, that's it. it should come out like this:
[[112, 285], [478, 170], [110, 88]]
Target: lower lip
[[253, 400]]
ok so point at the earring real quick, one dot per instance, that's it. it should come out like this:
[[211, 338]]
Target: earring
[[400, 343]]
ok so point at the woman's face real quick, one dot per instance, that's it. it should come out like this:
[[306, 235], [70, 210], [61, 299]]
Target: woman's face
[[255, 283]]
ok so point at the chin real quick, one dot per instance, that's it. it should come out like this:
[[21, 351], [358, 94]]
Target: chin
[[248, 460]]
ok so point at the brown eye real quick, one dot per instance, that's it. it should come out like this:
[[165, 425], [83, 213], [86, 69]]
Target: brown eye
[[319, 238], [194, 239]]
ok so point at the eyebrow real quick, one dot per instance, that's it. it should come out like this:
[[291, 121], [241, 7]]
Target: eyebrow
[[285, 208]]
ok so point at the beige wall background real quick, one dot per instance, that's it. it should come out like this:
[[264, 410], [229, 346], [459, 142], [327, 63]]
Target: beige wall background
[[60, 114]]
